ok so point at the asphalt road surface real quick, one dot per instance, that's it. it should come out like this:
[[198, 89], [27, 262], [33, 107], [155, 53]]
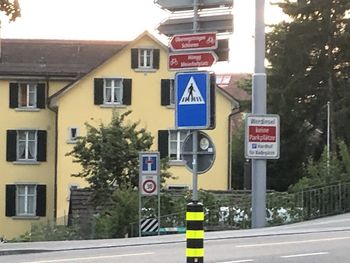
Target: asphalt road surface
[[321, 241]]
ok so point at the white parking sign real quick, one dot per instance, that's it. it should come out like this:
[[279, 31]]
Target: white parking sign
[[262, 137]]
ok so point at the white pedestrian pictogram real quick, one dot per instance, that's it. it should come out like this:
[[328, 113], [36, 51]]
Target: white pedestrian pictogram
[[191, 94]]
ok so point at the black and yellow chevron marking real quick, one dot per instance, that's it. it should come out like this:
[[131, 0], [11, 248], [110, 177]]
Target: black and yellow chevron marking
[[195, 233]]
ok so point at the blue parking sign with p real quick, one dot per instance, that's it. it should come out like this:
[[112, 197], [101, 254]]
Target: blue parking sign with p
[[149, 163]]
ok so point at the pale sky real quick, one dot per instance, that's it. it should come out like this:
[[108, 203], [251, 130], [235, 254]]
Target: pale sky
[[124, 20]]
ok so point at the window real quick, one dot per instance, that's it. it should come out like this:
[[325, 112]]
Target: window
[[27, 95], [170, 143], [26, 146], [25, 200], [145, 58], [176, 139], [167, 92], [112, 91], [73, 133]]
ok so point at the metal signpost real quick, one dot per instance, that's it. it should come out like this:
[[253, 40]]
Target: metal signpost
[[193, 108], [149, 183]]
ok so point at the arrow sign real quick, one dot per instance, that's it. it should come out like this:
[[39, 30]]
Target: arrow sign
[[193, 41], [191, 60]]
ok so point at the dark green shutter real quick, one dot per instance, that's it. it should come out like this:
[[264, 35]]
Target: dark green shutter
[[134, 58], [212, 91], [98, 91], [10, 200], [163, 145], [11, 146], [41, 200], [127, 88], [165, 92], [41, 96], [156, 58], [13, 95], [41, 143]]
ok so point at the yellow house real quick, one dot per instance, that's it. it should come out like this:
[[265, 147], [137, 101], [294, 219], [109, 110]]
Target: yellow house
[[50, 88]]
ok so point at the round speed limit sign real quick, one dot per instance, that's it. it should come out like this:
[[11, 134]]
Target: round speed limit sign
[[149, 185]]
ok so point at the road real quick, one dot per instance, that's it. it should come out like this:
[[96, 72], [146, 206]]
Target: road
[[321, 241]]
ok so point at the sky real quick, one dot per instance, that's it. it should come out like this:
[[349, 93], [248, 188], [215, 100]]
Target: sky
[[125, 20]]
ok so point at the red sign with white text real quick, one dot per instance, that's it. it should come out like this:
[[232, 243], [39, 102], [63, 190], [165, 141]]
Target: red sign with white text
[[262, 134], [191, 60], [193, 41]]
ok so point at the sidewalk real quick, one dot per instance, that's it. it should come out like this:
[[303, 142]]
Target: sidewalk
[[333, 223]]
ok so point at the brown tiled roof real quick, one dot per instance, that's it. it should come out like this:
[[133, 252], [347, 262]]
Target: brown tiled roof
[[228, 82], [60, 58]]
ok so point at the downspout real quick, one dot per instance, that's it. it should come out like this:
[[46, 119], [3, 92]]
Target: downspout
[[55, 111], [235, 111]]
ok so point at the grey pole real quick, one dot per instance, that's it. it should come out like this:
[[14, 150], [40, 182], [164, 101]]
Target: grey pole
[[195, 132], [259, 107]]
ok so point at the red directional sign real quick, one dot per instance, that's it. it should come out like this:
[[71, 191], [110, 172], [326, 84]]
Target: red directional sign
[[193, 41], [191, 60]]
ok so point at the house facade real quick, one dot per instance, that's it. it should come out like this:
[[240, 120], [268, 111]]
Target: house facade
[[51, 88]]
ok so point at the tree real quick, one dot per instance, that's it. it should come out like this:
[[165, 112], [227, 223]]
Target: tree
[[309, 66], [11, 8], [109, 156]]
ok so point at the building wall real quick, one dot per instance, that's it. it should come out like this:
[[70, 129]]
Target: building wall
[[12, 173], [77, 107], [74, 108]]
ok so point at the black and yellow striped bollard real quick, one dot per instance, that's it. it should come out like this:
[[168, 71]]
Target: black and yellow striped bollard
[[195, 233]]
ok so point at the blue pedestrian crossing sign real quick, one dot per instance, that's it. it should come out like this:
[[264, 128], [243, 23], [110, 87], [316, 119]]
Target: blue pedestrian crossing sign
[[149, 163], [192, 100]]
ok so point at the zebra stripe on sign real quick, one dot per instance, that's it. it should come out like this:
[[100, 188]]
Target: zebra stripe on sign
[[149, 225]]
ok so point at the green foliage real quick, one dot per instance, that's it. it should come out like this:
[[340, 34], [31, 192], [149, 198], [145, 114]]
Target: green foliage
[[49, 232], [324, 172], [11, 8], [109, 156], [238, 159], [308, 67], [115, 221]]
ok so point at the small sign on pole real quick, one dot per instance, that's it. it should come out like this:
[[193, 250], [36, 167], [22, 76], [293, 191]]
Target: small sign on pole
[[191, 60], [192, 42], [262, 137]]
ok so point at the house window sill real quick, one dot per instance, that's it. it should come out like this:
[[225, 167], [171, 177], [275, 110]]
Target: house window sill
[[24, 217], [27, 109], [145, 70], [108, 106], [71, 142], [177, 163], [26, 162]]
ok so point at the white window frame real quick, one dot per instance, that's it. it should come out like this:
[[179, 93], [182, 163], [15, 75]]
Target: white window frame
[[27, 198], [31, 89], [145, 58], [172, 92], [115, 87], [178, 141], [71, 138], [27, 142]]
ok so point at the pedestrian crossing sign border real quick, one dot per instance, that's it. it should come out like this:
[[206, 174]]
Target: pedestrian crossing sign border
[[192, 100]]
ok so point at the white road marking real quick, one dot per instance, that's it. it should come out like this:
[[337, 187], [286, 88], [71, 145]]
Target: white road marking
[[238, 261], [292, 242], [305, 255], [89, 258]]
